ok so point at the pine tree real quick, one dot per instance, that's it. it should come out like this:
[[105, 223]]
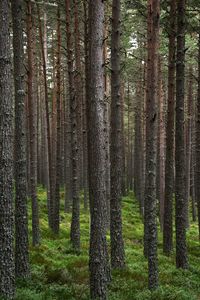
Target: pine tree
[[117, 244], [21, 215], [7, 264]]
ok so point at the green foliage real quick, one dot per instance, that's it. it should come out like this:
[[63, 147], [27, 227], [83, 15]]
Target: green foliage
[[58, 273]]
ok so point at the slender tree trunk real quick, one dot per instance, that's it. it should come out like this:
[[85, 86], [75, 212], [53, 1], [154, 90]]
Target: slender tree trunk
[[198, 141], [21, 215], [169, 162], [138, 145], [161, 146], [128, 159], [123, 161], [85, 103], [117, 244], [98, 261], [32, 127], [75, 224], [181, 248], [56, 222], [193, 164], [68, 185], [188, 146], [150, 226], [78, 88], [7, 264]]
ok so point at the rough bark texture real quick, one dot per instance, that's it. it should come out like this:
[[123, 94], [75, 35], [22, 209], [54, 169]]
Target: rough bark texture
[[181, 249], [78, 87], [160, 182], [7, 265], [21, 216], [98, 261], [32, 128], [169, 163], [138, 145], [56, 220], [188, 133], [198, 142], [117, 244], [151, 138], [123, 160], [75, 224], [85, 103]]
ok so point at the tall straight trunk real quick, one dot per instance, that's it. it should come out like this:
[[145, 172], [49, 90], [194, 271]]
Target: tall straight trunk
[[75, 224], [56, 219], [138, 145], [78, 87], [181, 248], [123, 160], [49, 152], [161, 146], [98, 259], [7, 264], [198, 141], [117, 244], [21, 215], [169, 162], [193, 163], [85, 99], [189, 144], [32, 127], [150, 226], [128, 159], [68, 186]]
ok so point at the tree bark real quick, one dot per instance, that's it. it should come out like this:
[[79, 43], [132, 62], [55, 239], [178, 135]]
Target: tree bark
[[198, 141], [56, 219], [117, 244], [32, 127], [150, 226], [188, 145], [7, 264], [98, 260], [75, 224], [169, 163], [181, 248], [21, 215]]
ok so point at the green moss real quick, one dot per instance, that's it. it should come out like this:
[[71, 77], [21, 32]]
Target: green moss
[[57, 272]]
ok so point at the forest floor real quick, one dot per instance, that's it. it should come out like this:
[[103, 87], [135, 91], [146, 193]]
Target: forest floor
[[59, 273]]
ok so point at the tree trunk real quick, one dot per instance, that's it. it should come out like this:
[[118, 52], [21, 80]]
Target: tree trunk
[[181, 248], [150, 226], [21, 214], [56, 221], [123, 161], [198, 141], [188, 145], [32, 127], [169, 163], [7, 264], [117, 244], [161, 146], [98, 260], [75, 224], [85, 103]]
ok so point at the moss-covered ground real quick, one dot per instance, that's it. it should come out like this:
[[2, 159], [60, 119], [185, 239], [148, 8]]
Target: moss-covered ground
[[59, 273]]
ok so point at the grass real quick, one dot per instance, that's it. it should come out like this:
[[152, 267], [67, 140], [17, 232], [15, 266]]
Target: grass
[[57, 273]]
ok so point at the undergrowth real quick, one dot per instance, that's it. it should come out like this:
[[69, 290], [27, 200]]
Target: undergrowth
[[57, 273]]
